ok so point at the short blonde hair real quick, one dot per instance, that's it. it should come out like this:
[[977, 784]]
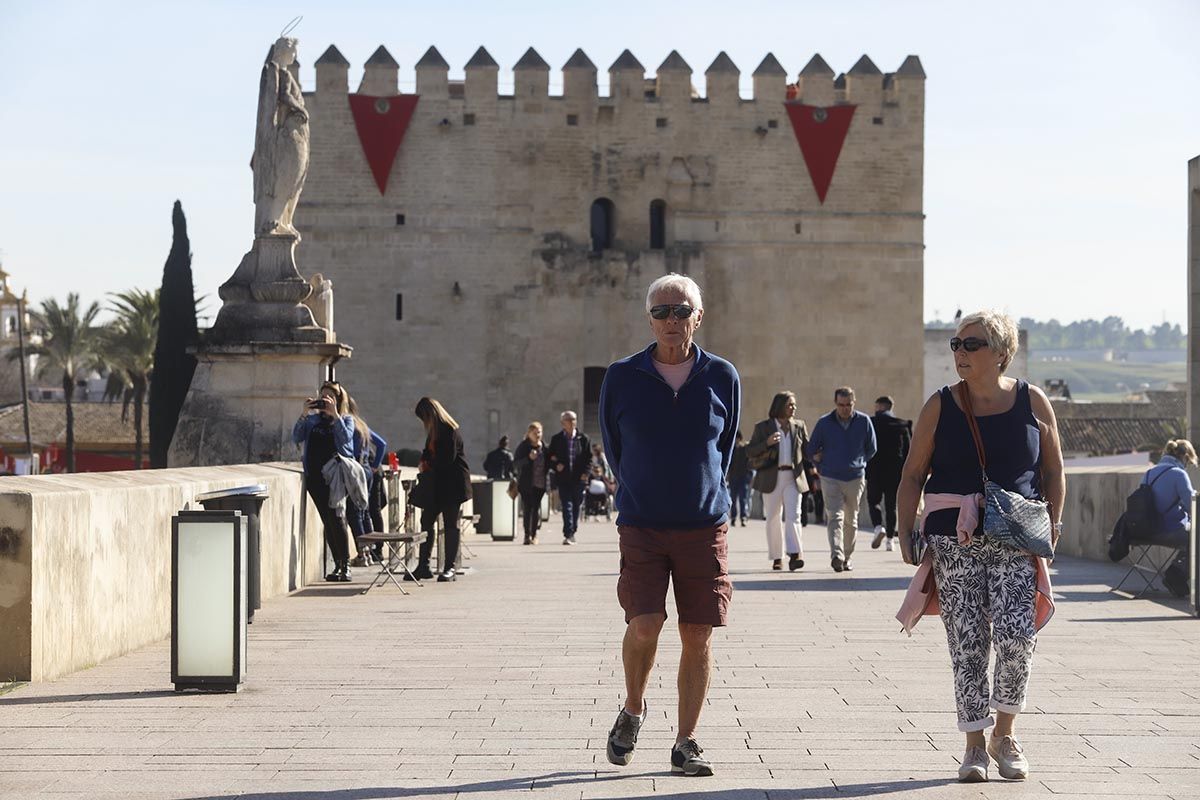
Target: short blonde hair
[[1181, 450], [999, 330]]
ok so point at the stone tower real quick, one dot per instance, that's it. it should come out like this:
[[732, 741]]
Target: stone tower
[[493, 250]]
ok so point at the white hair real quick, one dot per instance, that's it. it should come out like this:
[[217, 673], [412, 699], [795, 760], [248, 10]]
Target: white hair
[[680, 283], [999, 330]]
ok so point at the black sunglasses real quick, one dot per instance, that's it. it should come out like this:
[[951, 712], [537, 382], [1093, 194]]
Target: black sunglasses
[[681, 311], [970, 344]]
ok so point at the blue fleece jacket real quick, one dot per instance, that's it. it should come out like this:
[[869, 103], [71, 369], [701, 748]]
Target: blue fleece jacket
[[670, 451], [846, 450], [1172, 493]]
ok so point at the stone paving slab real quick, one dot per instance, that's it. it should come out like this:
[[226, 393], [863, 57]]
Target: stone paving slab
[[505, 683]]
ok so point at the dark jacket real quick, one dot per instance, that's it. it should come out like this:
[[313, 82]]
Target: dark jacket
[[558, 455], [670, 450], [768, 474], [892, 438], [739, 465], [451, 474], [499, 464], [525, 468]]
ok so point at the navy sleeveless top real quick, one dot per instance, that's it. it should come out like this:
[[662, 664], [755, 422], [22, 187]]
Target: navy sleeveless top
[[1011, 440]]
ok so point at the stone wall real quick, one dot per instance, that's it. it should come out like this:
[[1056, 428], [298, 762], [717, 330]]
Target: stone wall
[[85, 560], [503, 303]]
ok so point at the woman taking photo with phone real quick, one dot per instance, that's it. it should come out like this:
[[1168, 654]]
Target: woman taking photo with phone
[[443, 458], [325, 429]]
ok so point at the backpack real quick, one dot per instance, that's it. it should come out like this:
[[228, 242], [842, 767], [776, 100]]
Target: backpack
[[1142, 520]]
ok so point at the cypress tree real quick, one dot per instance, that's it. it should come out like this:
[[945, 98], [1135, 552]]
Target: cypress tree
[[173, 365]]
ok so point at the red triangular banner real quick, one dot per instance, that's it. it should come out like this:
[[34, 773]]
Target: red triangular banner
[[821, 133], [381, 123]]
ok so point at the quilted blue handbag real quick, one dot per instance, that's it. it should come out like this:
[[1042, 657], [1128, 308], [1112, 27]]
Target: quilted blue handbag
[[1009, 518]]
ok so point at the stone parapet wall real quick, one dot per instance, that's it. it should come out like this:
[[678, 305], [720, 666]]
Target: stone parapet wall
[[85, 560]]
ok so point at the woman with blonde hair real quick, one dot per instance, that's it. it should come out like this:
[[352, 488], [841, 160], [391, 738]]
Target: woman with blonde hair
[[325, 429], [1172, 488], [530, 464], [442, 457], [992, 596]]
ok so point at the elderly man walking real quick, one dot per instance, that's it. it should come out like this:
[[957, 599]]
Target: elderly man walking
[[842, 443], [668, 417]]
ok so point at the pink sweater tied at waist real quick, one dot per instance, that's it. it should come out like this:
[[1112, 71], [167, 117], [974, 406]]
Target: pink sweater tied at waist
[[921, 597]]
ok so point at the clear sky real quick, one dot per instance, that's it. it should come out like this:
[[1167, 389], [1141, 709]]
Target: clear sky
[[1057, 133]]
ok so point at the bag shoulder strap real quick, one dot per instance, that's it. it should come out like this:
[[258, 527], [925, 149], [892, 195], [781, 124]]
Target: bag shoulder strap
[[974, 426]]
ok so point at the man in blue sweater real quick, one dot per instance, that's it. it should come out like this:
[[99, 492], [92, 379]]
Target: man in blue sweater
[[841, 444], [668, 416]]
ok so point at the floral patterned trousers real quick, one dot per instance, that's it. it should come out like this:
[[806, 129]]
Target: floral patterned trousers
[[986, 592]]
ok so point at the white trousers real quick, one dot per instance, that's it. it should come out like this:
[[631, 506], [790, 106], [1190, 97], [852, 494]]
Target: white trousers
[[784, 498]]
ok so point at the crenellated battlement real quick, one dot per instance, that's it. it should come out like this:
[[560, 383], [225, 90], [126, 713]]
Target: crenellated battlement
[[672, 84]]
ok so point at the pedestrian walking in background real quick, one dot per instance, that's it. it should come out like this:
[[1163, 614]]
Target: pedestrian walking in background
[[668, 416], [991, 596], [892, 437], [739, 481], [498, 465], [571, 461], [843, 441], [777, 452], [598, 457], [369, 450], [443, 457], [325, 430], [530, 464]]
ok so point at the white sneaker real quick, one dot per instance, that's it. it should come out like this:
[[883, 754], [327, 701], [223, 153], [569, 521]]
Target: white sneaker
[[890, 545], [879, 534], [1010, 757], [974, 766]]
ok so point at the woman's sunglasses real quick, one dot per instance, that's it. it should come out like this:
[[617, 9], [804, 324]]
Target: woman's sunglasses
[[970, 344], [681, 311]]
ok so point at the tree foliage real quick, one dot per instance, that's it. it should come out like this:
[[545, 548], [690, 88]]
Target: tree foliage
[[128, 345], [1089, 334], [177, 332]]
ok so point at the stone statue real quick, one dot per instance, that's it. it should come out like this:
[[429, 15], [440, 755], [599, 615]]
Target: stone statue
[[264, 298], [280, 161]]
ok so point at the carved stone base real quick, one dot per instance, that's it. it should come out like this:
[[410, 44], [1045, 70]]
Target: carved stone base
[[244, 400], [263, 300]]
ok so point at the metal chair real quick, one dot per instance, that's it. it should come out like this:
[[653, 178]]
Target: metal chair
[[1143, 561]]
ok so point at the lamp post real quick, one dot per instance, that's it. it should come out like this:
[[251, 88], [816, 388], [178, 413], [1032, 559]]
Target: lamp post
[[208, 600]]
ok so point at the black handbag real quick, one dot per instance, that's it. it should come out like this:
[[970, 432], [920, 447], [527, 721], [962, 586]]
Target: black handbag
[[1010, 518], [421, 494]]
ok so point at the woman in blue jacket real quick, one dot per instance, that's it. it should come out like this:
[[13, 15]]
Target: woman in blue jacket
[[325, 429], [1168, 480]]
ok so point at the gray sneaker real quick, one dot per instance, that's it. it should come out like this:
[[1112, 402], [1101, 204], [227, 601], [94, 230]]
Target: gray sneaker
[[974, 766], [622, 739], [1010, 757], [686, 759]]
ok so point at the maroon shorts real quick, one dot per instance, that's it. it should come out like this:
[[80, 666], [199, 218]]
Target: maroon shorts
[[695, 561]]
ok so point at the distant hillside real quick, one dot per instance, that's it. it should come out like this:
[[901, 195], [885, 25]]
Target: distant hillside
[[1090, 334], [1106, 380]]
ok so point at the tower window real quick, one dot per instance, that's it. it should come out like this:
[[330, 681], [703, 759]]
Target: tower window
[[658, 224], [399, 306], [602, 220], [399, 219], [572, 119], [468, 119]]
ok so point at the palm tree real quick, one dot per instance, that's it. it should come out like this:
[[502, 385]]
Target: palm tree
[[128, 347], [70, 342]]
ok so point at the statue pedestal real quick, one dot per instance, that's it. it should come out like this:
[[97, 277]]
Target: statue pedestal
[[244, 400], [263, 301]]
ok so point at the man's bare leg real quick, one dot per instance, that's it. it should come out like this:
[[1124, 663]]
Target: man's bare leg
[[695, 669], [637, 651]]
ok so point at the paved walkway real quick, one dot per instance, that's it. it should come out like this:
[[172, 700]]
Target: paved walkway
[[505, 685]]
